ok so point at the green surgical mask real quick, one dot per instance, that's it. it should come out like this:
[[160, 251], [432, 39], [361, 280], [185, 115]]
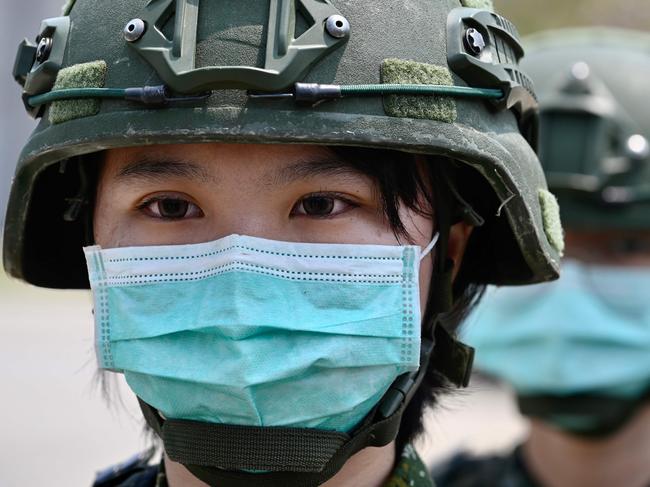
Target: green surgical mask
[[249, 332], [576, 351]]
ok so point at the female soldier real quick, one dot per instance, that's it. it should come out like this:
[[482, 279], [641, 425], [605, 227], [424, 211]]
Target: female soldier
[[260, 244]]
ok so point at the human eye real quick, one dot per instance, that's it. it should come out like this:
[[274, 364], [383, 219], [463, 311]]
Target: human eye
[[322, 205], [170, 207]]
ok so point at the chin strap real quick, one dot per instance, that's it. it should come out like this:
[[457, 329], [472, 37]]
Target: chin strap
[[603, 415], [244, 456], [452, 358]]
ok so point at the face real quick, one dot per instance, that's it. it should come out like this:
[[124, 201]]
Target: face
[[615, 248], [184, 194]]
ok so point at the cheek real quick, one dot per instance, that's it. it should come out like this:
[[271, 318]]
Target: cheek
[[110, 228], [109, 231], [106, 228], [105, 225]]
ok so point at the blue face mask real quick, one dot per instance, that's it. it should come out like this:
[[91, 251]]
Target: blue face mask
[[588, 332], [577, 351], [255, 332]]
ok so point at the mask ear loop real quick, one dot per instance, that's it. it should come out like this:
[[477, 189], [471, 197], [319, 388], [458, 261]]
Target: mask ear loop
[[427, 250], [439, 299]]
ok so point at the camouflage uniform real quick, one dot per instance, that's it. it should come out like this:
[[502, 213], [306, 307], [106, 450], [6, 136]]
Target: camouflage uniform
[[409, 472]]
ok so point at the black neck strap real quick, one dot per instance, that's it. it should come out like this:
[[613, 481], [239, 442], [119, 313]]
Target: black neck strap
[[226, 455], [452, 358], [611, 412]]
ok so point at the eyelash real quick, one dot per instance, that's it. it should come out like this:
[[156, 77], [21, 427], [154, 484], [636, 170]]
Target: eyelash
[[144, 207], [335, 196]]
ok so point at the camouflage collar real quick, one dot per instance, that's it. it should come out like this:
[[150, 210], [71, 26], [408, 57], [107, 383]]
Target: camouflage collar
[[410, 471]]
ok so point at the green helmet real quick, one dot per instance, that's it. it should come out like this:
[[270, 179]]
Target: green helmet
[[595, 126], [441, 79]]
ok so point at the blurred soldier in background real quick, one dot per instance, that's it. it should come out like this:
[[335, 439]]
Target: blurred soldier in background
[[577, 351]]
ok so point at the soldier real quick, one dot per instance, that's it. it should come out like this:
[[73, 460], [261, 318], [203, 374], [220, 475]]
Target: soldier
[[577, 351], [286, 212]]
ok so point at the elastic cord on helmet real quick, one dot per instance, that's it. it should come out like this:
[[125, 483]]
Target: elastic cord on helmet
[[315, 92], [302, 92], [147, 95]]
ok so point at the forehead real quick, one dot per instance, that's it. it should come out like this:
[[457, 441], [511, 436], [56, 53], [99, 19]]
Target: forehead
[[215, 153], [615, 247], [214, 162], [596, 238]]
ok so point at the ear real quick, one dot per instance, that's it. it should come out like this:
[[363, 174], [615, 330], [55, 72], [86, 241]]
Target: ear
[[459, 234]]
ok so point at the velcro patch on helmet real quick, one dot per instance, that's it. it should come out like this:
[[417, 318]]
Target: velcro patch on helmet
[[481, 4], [400, 71], [86, 75], [551, 220]]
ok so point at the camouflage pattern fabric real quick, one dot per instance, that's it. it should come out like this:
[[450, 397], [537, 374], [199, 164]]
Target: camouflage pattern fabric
[[409, 472]]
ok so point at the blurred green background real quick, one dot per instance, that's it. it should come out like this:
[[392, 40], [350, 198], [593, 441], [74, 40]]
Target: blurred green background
[[534, 15]]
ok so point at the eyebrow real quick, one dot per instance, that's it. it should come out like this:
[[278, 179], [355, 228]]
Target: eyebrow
[[158, 168], [318, 166]]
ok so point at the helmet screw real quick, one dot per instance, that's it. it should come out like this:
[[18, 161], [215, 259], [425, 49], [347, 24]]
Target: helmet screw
[[638, 147], [134, 30], [43, 49], [337, 26], [580, 71], [474, 41]]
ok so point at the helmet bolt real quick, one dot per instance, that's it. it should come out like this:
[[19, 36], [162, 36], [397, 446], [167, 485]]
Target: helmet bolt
[[44, 49], [337, 26], [580, 71], [638, 147], [134, 30], [474, 41]]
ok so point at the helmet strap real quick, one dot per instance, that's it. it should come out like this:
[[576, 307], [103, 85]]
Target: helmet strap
[[221, 454], [605, 414], [452, 358]]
